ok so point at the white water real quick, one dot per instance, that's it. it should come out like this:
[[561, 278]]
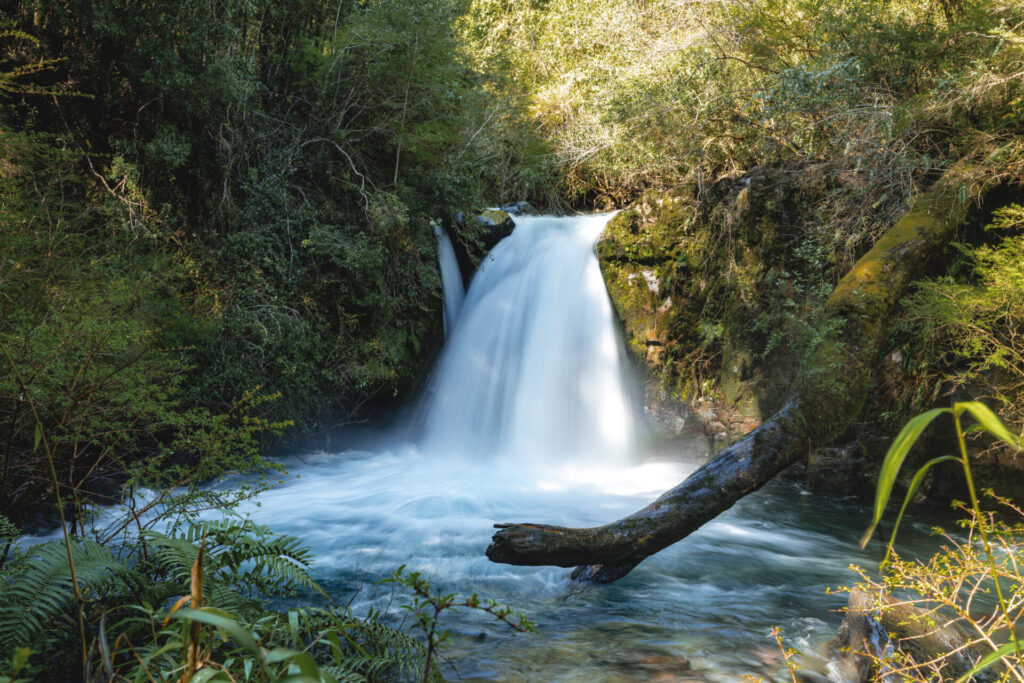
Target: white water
[[527, 413], [532, 373], [451, 280], [527, 419]]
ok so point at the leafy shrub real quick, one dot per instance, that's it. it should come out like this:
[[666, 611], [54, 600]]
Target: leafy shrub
[[951, 585], [966, 325]]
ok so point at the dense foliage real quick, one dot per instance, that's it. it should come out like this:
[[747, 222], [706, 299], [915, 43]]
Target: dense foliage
[[206, 203], [802, 129], [215, 217], [132, 597]]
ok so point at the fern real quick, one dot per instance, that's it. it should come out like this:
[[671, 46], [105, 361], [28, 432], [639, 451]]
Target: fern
[[8, 530], [242, 563], [383, 653], [241, 560], [364, 649], [39, 596]]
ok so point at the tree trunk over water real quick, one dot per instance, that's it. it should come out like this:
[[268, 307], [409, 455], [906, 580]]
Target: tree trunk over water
[[828, 394]]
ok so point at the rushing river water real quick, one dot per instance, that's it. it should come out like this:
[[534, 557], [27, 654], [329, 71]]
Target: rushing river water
[[528, 417]]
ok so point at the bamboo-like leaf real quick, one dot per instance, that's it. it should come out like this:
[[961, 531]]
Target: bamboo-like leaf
[[989, 422], [988, 660], [914, 485], [38, 437], [223, 622], [894, 461], [209, 674], [309, 672], [280, 654]]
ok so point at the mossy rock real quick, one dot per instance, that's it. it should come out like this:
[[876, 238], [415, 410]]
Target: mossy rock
[[688, 272], [499, 226]]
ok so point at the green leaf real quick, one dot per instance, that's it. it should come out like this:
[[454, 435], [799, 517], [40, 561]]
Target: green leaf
[[38, 437], [307, 666], [223, 622], [914, 485], [280, 654], [209, 674], [989, 422], [988, 660], [293, 625], [19, 659], [904, 441]]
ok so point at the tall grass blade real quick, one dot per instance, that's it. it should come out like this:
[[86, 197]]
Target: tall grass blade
[[905, 440], [988, 660], [914, 485], [989, 422]]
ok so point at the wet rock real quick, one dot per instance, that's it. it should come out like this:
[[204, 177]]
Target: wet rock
[[867, 632], [805, 676], [840, 470], [499, 226], [859, 642], [496, 226], [518, 209]]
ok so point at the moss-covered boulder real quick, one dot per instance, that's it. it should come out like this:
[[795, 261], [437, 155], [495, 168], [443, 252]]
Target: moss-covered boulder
[[693, 272], [643, 252]]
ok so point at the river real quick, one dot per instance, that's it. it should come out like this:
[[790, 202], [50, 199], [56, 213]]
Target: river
[[530, 416]]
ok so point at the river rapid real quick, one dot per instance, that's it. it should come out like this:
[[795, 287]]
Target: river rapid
[[530, 416]]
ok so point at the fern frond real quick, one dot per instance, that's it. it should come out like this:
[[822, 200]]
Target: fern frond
[[240, 555], [378, 652], [8, 530], [40, 597]]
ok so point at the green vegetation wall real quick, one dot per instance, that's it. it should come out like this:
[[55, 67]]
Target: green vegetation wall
[[212, 209], [759, 148], [207, 205]]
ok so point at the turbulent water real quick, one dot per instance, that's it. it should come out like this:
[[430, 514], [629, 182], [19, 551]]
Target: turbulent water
[[528, 418]]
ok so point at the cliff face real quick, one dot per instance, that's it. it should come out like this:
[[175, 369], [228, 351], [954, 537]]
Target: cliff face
[[720, 290], [713, 302]]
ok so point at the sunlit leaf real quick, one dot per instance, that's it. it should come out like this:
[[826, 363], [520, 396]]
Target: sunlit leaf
[[988, 660], [223, 622], [901, 446], [914, 485], [988, 420]]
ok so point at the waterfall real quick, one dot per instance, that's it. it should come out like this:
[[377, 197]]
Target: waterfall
[[533, 368], [451, 280]]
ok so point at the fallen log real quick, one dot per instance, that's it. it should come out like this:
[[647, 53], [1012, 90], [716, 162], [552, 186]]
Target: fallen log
[[827, 396]]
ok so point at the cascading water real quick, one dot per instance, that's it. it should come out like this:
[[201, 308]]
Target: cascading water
[[451, 279], [527, 418], [533, 371]]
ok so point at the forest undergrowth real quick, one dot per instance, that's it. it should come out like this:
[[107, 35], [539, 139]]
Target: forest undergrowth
[[216, 235]]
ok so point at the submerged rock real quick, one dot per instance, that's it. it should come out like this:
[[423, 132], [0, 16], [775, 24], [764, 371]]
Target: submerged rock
[[839, 470]]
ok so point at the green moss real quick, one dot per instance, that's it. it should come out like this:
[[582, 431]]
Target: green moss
[[739, 269]]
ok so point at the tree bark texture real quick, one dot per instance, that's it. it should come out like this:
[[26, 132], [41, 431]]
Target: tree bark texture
[[827, 395]]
